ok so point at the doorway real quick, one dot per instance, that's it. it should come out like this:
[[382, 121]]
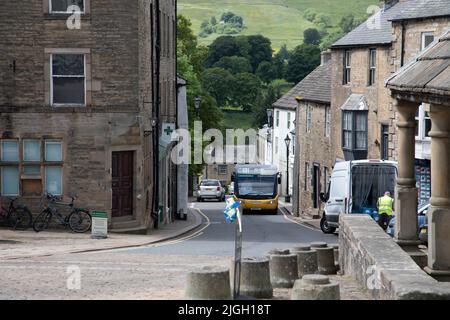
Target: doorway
[[122, 183]]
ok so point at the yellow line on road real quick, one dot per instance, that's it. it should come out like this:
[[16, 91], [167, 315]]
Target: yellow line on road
[[299, 223]]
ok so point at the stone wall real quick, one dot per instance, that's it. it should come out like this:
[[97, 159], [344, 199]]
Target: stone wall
[[309, 152], [377, 96], [371, 257]]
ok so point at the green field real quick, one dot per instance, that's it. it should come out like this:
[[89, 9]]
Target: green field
[[238, 120], [280, 20]]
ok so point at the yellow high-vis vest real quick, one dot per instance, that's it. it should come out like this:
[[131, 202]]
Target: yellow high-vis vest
[[385, 205]]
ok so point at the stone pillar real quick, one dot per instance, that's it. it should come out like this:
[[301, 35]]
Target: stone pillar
[[406, 197], [439, 213]]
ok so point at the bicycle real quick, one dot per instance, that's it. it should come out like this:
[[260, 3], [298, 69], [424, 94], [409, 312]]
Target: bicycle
[[18, 217], [79, 220]]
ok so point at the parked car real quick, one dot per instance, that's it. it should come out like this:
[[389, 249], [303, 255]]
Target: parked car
[[354, 188], [211, 189], [422, 224]]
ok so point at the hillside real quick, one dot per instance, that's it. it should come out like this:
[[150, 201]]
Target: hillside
[[280, 20]]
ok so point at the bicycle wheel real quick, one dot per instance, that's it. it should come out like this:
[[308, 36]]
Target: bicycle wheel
[[42, 221], [21, 218], [80, 221]]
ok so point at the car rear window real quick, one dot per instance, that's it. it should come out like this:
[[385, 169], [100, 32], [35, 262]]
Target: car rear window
[[210, 183]]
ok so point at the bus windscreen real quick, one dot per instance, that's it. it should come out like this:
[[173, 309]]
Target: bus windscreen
[[254, 186]]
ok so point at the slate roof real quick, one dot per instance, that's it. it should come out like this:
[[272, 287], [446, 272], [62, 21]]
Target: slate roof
[[368, 34], [316, 87], [429, 73], [376, 30], [356, 102], [418, 9]]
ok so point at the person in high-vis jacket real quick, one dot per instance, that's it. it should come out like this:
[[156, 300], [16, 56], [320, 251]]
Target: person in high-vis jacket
[[385, 210]]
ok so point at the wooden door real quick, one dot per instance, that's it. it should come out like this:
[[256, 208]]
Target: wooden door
[[122, 183]]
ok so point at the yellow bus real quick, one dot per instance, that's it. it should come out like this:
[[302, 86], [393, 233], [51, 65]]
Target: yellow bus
[[256, 187]]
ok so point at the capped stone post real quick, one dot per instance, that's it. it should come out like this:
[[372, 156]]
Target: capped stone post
[[283, 270], [315, 287], [255, 278], [209, 283]]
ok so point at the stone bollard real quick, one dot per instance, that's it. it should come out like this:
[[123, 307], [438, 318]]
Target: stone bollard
[[208, 283], [315, 287], [255, 278], [325, 260], [301, 247], [278, 252], [283, 270], [306, 262], [318, 244], [336, 253]]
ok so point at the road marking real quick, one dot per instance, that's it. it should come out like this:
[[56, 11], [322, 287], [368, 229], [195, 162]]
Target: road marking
[[299, 223]]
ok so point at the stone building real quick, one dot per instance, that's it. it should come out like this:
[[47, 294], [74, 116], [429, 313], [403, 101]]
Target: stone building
[[363, 111], [81, 107], [414, 29], [425, 80], [313, 164]]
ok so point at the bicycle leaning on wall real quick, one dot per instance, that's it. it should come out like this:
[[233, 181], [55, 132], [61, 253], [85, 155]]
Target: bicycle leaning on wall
[[18, 217], [79, 220]]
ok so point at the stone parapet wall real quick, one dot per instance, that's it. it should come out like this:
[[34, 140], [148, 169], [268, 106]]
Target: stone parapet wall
[[388, 273]]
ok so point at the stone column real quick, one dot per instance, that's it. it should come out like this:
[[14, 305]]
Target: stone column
[[439, 214], [406, 197]]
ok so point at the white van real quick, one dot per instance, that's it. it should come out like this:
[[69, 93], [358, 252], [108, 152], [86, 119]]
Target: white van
[[355, 187]]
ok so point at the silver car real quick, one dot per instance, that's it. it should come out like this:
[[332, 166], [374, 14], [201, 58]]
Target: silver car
[[211, 189]]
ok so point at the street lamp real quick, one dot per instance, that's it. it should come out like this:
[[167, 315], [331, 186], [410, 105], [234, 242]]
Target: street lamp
[[197, 103], [269, 135], [287, 140]]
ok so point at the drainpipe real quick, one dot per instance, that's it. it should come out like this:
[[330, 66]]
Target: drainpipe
[[402, 60], [156, 115]]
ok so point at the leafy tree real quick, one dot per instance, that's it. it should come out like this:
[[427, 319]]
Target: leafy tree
[[311, 36], [185, 36], [347, 22], [323, 20], [304, 59], [310, 14], [283, 53], [213, 21], [267, 71], [224, 46], [331, 38], [247, 88], [219, 83], [237, 21], [234, 64], [260, 50], [227, 16], [264, 102]]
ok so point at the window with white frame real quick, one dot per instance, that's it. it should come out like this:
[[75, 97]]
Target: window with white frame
[[372, 66], [288, 120], [327, 122], [347, 66], [427, 39], [21, 173], [354, 130], [68, 79], [278, 118], [308, 118], [62, 6], [423, 123], [223, 170]]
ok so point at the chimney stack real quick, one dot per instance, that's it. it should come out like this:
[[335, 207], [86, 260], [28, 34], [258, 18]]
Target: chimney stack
[[325, 57]]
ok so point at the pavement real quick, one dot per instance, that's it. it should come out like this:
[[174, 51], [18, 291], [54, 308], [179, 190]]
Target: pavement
[[286, 208], [46, 266], [24, 244]]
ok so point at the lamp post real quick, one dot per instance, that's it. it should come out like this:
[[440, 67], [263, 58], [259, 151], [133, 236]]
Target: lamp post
[[287, 140], [197, 103]]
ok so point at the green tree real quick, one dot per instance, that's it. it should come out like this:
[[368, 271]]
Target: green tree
[[219, 83], [283, 53], [264, 101], [311, 36], [267, 71], [224, 46], [227, 16], [310, 14], [247, 88], [234, 64], [323, 20], [304, 59], [213, 21], [331, 38], [260, 50]]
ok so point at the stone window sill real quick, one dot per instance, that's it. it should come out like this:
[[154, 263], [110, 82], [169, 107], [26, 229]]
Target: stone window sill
[[64, 16]]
